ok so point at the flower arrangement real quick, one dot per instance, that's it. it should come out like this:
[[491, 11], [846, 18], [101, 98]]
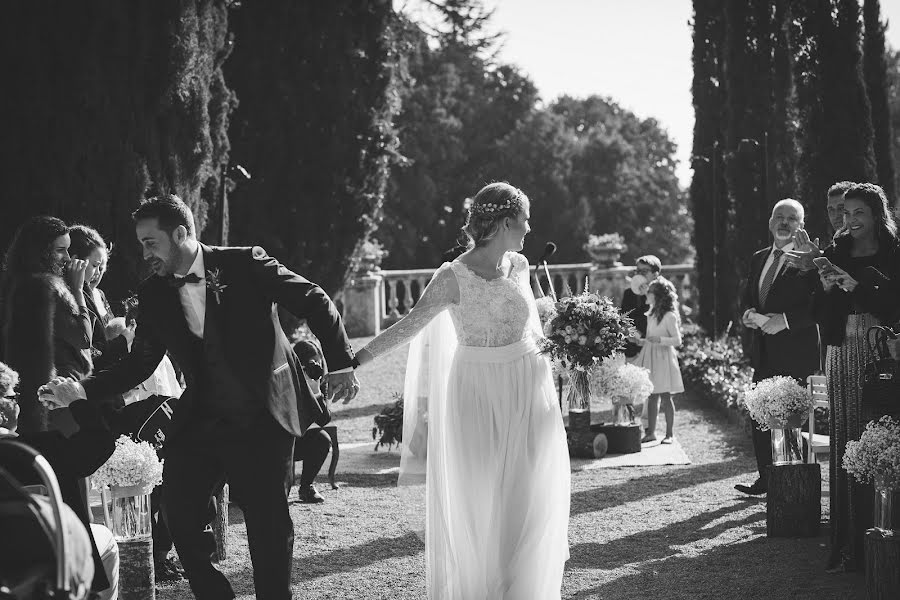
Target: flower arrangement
[[606, 240], [389, 424], [775, 401], [875, 457], [586, 329], [131, 464], [618, 380]]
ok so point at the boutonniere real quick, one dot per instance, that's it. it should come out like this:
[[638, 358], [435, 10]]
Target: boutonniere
[[214, 284]]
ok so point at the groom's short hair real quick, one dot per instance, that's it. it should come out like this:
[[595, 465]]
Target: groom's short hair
[[170, 211]]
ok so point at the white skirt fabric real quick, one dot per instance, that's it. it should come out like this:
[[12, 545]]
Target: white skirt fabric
[[498, 485]]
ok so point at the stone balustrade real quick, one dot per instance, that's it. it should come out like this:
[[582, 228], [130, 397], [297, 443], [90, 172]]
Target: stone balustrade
[[378, 299]]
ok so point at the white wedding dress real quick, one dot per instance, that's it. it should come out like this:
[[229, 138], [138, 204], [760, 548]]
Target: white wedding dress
[[497, 472]]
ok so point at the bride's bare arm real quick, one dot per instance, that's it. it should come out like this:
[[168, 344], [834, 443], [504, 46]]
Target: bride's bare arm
[[439, 294]]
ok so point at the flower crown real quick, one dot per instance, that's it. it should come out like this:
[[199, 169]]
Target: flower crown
[[495, 208]]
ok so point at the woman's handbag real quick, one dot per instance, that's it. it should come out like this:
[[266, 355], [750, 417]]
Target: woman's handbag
[[880, 378]]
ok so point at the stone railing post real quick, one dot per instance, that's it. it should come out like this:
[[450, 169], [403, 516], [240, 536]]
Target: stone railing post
[[363, 305]]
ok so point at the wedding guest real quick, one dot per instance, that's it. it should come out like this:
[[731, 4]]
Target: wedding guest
[[634, 298], [46, 324], [73, 458], [313, 446], [658, 356], [111, 335], [858, 288], [783, 339]]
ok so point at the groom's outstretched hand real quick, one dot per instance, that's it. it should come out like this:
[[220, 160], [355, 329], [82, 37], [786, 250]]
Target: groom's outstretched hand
[[341, 386]]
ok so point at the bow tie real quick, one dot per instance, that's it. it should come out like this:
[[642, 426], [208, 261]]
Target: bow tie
[[177, 282]]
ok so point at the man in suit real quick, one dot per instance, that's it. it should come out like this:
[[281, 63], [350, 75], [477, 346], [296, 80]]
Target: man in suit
[[784, 339], [246, 397]]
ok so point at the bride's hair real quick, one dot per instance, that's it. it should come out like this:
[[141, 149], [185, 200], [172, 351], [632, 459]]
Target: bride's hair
[[493, 203]]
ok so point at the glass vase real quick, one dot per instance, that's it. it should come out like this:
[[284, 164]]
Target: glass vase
[[579, 395], [884, 507], [126, 512], [786, 446]]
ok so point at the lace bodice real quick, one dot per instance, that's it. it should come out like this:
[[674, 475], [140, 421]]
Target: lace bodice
[[485, 312]]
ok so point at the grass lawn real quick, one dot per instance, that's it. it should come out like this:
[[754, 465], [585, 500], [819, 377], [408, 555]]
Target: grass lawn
[[635, 533]]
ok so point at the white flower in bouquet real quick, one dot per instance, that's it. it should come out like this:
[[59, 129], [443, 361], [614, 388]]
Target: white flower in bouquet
[[546, 309], [876, 455], [615, 378], [774, 401], [131, 464]]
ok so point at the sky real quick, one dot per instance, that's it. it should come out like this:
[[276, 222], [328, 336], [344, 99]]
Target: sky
[[636, 52]]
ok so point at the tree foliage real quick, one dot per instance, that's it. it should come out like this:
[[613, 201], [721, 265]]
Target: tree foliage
[[106, 101], [875, 70], [314, 129]]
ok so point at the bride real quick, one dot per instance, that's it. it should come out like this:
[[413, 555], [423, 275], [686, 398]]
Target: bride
[[482, 399]]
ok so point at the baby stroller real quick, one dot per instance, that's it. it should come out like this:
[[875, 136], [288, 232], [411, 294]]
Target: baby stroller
[[46, 551]]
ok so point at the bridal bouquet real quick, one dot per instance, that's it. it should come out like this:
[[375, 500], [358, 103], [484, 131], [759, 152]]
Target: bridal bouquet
[[776, 401], [131, 464], [875, 458], [585, 330]]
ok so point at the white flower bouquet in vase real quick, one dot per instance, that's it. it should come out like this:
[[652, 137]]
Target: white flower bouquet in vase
[[875, 459], [624, 385], [125, 482], [780, 403]]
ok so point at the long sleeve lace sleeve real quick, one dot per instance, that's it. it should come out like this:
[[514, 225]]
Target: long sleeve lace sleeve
[[439, 294]]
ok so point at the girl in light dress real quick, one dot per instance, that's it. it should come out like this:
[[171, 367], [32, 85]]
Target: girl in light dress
[[497, 472], [658, 355]]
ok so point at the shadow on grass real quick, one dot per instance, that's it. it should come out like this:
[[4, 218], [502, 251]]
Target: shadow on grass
[[658, 543], [652, 483], [367, 480], [358, 411]]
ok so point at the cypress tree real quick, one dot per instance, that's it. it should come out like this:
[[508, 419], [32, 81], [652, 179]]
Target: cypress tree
[[104, 101], [875, 71], [708, 193], [835, 116], [313, 128]]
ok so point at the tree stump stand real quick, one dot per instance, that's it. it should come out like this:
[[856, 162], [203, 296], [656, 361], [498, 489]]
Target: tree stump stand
[[579, 436], [220, 525], [622, 439], [794, 500], [137, 580], [882, 566]]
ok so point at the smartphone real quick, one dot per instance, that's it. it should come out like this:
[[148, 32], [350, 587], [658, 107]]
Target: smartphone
[[824, 264]]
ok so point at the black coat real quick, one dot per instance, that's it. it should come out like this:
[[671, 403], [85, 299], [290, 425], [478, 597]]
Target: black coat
[[878, 292], [256, 349], [793, 351], [635, 307]]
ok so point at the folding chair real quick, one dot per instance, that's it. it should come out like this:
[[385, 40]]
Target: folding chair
[[41, 523], [816, 443]]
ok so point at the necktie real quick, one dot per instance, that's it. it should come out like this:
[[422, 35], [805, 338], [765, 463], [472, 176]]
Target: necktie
[[769, 278], [177, 282]]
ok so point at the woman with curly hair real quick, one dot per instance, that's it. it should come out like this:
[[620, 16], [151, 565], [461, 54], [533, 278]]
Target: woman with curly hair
[[659, 357], [46, 326]]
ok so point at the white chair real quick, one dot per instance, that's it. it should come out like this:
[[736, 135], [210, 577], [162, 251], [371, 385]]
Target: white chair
[[816, 443]]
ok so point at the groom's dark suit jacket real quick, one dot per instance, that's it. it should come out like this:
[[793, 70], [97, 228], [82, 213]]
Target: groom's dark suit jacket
[[793, 351], [256, 352]]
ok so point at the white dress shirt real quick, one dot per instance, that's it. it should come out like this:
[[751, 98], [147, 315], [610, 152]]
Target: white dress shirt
[[768, 265], [193, 296]]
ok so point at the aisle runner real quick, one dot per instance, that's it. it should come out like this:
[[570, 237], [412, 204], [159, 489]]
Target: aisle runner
[[650, 455]]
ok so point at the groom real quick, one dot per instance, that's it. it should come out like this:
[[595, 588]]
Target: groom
[[215, 310]]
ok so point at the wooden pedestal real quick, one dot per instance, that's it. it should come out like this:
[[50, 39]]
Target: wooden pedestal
[[882, 566], [794, 500], [136, 576], [622, 439], [220, 525]]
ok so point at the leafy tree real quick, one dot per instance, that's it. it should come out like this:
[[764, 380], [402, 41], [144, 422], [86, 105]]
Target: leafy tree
[[314, 128], [835, 115], [893, 76], [708, 192], [876, 76], [106, 101]]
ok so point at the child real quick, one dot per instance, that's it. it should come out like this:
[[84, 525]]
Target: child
[[658, 355], [315, 444]]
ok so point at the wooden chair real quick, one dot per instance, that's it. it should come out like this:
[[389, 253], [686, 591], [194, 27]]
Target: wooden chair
[[816, 443]]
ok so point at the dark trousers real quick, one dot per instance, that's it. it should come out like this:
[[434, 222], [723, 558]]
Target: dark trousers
[[312, 448], [762, 447], [256, 462], [162, 539]]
